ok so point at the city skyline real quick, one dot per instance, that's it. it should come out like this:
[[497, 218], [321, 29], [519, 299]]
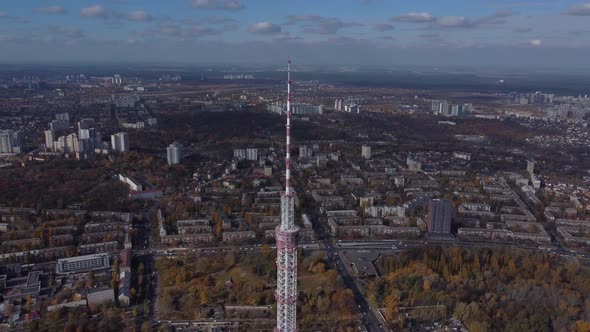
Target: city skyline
[[349, 32]]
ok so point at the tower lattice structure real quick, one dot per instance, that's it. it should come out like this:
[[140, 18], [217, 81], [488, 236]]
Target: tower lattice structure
[[286, 239]]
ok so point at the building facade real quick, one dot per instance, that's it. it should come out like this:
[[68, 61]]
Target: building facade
[[82, 263], [440, 213], [120, 142], [366, 152], [11, 141], [174, 153]]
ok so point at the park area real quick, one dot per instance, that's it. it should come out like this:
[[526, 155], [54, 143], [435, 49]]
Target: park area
[[232, 285]]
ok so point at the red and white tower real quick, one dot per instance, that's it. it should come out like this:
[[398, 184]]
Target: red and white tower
[[286, 237]]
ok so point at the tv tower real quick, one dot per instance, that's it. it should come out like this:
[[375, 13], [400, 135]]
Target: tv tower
[[286, 237]]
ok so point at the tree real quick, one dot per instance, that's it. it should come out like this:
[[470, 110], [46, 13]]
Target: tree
[[146, 327], [391, 303], [203, 296], [582, 326], [265, 250]]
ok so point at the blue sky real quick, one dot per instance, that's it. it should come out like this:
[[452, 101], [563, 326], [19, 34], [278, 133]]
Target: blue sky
[[436, 32]]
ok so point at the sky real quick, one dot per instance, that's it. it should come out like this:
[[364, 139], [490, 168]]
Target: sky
[[486, 33]]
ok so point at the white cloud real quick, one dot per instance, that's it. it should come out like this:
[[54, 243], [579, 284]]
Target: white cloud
[[522, 30], [52, 10], [93, 11], [579, 10], [264, 28], [140, 16], [453, 21], [535, 42], [466, 22], [414, 18], [218, 4], [382, 27], [69, 32], [316, 24]]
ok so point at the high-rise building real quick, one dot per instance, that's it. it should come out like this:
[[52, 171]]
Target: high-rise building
[[252, 154], [530, 166], [338, 104], [366, 152], [72, 143], [49, 139], [174, 153], [11, 141], [444, 108], [61, 145], [87, 133], [88, 139], [6, 141], [56, 125], [120, 142], [352, 108], [435, 105], [63, 117], [440, 213], [467, 108], [304, 151], [240, 154]]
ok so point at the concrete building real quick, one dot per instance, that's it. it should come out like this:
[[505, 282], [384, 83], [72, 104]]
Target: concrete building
[[11, 141], [462, 155], [63, 117], [133, 184], [125, 288], [440, 213], [366, 152], [120, 142], [238, 236], [87, 133], [174, 153], [413, 165], [530, 167], [20, 287], [58, 125], [240, 154], [100, 296], [72, 143], [247, 154], [352, 108], [49, 140], [187, 239], [82, 263], [61, 145], [434, 106], [252, 154], [296, 108], [444, 108], [304, 151]]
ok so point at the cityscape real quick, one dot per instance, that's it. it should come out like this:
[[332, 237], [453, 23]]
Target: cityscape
[[281, 179]]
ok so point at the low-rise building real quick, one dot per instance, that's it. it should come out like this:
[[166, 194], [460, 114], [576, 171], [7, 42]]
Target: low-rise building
[[187, 239], [82, 263], [100, 296], [238, 236]]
